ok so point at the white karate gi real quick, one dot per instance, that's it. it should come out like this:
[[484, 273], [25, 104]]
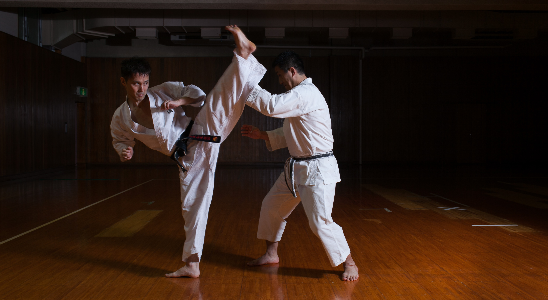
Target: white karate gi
[[220, 113], [306, 132]]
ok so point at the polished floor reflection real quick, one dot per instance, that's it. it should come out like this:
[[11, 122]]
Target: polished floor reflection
[[415, 233]]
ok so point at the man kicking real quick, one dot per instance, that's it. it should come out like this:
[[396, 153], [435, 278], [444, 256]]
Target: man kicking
[[311, 172], [155, 117]]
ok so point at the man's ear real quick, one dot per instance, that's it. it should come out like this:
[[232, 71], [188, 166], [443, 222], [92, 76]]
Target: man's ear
[[123, 81], [292, 71]]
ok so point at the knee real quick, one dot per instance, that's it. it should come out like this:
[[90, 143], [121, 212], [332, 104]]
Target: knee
[[268, 211], [317, 224]]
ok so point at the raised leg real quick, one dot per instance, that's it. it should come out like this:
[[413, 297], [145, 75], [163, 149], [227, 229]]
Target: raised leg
[[225, 103]]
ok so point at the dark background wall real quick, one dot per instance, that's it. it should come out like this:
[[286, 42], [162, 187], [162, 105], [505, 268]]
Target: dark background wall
[[37, 99], [106, 94], [417, 109], [456, 109]]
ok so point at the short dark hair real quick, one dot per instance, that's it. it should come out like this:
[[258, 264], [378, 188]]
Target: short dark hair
[[288, 59], [135, 65]]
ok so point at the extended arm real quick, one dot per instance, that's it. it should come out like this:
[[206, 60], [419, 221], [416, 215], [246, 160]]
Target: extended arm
[[274, 139], [169, 95], [254, 133], [288, 104]]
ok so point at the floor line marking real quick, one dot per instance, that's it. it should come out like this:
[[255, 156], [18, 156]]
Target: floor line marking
[[449, 200], [376, 209], [72, 213], [494, 225]]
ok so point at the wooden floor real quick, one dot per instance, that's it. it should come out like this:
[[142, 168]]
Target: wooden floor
[[415, 233]]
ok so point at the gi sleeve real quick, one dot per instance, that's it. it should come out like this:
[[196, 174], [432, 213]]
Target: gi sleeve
[[276, 139], [121, 139], [286, 105], [170, 91], [194, 92]]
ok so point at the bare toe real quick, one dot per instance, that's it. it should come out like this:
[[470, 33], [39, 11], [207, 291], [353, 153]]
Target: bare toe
[[350, 273], [186, 271], [264, 260]]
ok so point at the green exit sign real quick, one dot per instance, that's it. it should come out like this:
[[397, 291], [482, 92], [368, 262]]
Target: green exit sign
[[81, 91]]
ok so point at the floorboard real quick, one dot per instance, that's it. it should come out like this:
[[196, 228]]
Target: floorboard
[[415, 233]]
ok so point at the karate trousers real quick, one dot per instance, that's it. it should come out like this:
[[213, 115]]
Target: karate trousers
[[317, 201], [222, 110]]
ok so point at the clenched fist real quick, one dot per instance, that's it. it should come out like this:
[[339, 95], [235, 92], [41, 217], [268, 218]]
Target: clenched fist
[[127, 154]]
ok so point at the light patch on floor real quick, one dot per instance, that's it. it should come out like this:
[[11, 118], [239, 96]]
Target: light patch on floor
[[400, 197], [130, 225], [520, 198], [412, 201]]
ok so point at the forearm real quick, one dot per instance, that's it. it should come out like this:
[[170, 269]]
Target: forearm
[[177, 94]]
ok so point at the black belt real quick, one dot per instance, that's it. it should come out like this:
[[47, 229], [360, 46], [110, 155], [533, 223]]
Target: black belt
[[181, 143], [288, 169]]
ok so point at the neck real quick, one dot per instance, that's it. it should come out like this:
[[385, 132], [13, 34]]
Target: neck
[[133, 102], [300, 79]]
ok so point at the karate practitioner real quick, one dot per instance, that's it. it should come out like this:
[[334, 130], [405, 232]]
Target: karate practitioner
[[155, 117], [310, 174]]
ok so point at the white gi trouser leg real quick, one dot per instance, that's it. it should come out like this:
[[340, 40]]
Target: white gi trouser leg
[[223, 107], [318, 204]]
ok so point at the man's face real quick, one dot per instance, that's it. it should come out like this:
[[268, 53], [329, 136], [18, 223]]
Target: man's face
[[285, 78], [136, 86]]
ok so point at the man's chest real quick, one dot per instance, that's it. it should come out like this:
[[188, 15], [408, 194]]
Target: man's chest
[[141, 114]]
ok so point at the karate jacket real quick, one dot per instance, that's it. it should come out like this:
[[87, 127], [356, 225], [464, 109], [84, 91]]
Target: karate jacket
[[167, 126], [306, 130]]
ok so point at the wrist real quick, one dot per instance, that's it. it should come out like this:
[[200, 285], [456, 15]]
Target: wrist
[[178, 102]]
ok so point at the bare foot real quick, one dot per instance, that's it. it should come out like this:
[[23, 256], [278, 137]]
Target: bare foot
[[244, 47], [264, 260], [350, 270], [191, 270]]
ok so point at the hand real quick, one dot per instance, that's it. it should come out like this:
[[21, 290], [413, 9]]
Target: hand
[[169, 105], [176, 103], [127, 154], [252, 132]]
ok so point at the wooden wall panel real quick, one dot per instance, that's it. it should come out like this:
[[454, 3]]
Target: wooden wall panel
[[37, 101], [4, 83], [458, 109], [105, 97], [386, 107], [429, 109], [345, 107]]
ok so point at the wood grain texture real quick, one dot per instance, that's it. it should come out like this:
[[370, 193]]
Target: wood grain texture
[[409, 254], [438, 109], [454, 109], [37, 100], [106, 94]]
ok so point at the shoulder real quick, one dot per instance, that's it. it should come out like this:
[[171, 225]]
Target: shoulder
[[119, 112], [310, 90], [120, 108]]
